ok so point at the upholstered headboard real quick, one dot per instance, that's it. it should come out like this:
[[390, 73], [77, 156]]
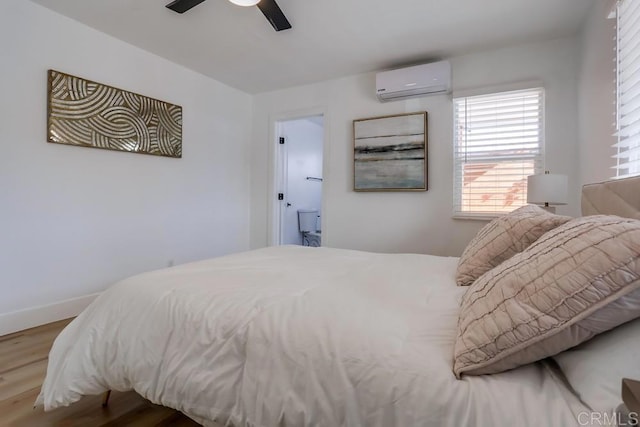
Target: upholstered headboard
[[616, 197]]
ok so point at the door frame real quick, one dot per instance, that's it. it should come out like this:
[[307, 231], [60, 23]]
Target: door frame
[[277, 171]]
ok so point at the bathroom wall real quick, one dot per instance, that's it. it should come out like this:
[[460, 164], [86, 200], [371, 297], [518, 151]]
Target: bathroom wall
[[304, 159]]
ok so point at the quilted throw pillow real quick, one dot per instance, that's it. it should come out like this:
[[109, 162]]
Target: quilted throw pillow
[[502, 238], [576, 281]]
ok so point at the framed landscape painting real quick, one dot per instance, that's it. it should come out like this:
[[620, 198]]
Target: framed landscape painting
[[390, 153]]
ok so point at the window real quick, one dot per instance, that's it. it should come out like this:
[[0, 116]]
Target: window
[[628, 89], [498, 142]]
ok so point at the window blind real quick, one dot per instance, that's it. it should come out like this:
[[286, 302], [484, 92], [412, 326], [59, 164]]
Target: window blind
[[628, 89], [498, 142]]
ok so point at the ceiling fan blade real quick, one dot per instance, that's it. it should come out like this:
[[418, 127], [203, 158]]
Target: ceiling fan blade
[[181, 6], [274, 14]]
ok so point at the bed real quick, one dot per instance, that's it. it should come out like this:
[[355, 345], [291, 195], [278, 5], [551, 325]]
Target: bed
[[302, 336]]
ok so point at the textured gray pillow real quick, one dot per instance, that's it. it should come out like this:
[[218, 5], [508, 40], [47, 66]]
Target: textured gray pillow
[[502, 238], [576, 281]]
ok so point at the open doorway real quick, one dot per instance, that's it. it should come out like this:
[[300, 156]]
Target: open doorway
[[299, 172]]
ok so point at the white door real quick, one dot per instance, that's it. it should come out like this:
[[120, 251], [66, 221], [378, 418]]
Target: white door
[[300, 144]]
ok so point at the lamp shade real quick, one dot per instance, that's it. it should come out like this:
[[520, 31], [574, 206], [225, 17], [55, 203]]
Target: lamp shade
[[245, 2], [548, 189]]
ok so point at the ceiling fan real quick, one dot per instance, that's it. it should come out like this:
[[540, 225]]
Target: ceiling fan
[[269, 8]]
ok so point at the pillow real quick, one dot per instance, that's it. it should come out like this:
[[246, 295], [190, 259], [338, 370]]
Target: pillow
[[502, 238], [564, 289], [595, 369]]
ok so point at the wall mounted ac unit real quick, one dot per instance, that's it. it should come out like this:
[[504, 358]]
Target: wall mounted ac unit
[[420, 80]]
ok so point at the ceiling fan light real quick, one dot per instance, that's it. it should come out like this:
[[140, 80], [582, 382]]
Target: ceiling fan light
[[245, 2]]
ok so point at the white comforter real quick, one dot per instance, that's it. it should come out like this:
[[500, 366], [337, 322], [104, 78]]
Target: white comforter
[[298, 337]]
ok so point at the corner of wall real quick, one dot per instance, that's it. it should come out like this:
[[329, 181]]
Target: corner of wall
[[596, 94]]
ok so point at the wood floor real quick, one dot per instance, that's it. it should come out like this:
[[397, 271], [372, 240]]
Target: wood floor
[[23, 363]]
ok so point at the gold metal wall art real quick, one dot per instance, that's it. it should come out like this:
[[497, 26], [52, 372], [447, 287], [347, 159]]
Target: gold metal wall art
[[89, 114]]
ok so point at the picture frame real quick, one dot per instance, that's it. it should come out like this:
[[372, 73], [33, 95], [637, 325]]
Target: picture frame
[[391, 153]]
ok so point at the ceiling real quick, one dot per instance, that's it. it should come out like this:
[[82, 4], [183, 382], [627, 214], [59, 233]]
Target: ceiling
[[330, 38]]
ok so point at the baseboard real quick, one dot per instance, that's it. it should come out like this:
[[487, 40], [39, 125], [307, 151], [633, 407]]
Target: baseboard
[[36, 316]]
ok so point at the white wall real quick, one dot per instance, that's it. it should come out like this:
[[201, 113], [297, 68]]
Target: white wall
[[596, 95], [412, 222], [303, 145], [75, 219]]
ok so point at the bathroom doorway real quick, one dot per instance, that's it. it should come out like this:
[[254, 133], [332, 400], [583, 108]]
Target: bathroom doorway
[[299, 170]]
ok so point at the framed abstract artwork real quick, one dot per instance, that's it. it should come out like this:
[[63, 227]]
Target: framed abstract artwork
[[89, 114], [390, 153]]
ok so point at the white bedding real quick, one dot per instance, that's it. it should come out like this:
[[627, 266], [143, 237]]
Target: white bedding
[[299, 337]]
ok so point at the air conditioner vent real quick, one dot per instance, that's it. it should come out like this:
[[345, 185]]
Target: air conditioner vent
[[421, 80]]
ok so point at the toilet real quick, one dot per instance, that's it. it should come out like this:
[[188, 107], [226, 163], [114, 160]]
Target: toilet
[[308, 225]]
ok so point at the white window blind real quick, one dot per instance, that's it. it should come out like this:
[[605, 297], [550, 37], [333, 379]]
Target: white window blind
[[628, 89], [498, 142]]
